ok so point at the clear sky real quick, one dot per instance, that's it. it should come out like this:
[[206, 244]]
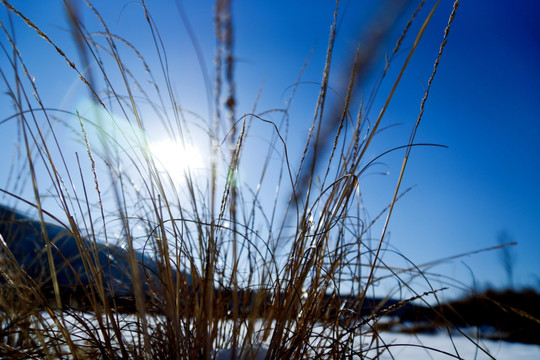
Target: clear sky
[[484, 105]]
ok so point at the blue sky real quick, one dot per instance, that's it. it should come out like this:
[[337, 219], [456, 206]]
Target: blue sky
[[484, 105]]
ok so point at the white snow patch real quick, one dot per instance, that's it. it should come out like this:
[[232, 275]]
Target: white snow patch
[[390, 345], [409, 347]]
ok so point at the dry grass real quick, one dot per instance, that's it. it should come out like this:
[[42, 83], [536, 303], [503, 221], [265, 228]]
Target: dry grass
[[268, 261]]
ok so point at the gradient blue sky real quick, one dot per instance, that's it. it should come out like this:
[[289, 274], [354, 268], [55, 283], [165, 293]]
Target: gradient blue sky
[[484, 105]]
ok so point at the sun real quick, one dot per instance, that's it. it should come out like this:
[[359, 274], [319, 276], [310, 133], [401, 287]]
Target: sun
[[175, 159]]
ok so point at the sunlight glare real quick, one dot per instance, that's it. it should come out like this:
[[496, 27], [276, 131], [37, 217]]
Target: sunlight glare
[[175, 159]]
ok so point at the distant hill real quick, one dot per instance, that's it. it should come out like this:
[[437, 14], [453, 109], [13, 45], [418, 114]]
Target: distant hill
[[26, 241]]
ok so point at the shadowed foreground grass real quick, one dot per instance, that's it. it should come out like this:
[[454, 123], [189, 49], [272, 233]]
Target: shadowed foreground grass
[[222, 261]]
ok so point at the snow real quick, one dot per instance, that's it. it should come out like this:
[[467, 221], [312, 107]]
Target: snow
[[406, 346], [432, 347], [396, 345]]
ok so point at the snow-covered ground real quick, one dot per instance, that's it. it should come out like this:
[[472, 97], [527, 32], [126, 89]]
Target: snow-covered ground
[[397, 345], [405, 347], [437, 346]]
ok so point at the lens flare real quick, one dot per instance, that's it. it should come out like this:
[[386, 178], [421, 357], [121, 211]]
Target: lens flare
[[175, 159]]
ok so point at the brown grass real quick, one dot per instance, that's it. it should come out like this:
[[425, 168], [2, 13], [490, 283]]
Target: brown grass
[[259, 274]]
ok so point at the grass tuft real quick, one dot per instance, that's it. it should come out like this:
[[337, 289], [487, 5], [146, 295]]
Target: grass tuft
[[236, 258]]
